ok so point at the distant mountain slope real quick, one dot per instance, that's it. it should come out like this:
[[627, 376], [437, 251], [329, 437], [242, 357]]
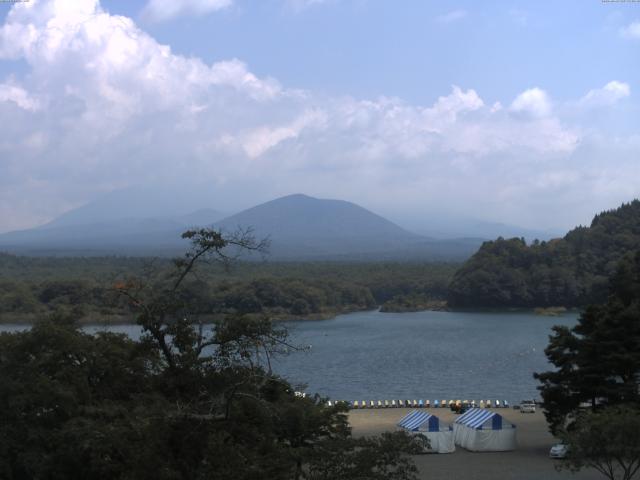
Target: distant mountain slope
[[131, 221], [137, 203], [300, 218], [441, 225], [571, 271], [299, 227], [129, 236], [303, 227]]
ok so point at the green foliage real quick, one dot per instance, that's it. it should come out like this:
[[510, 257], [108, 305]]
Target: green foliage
[[184, 402], [33, 286], [598, 360], [608, 441], [57, 383], [569, 272]]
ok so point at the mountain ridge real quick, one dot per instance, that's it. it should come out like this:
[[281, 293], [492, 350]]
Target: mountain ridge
[[300, 227]]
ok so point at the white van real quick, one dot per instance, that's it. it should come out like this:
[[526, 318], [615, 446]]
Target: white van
[[527, 406]]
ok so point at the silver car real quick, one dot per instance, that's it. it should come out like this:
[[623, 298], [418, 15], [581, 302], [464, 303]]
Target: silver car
[[559, 450]]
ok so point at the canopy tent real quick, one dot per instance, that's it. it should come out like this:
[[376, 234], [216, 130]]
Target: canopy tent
[[481, 430], [423, 423]]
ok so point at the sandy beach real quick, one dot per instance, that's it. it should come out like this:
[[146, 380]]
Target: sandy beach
[[529, 462]]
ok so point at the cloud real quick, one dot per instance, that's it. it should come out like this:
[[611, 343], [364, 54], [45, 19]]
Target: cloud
[[534, 102], [259, 140], [452, 16], [17, 95], [163, 10], [607, 95], [103, 105], [631, 31]]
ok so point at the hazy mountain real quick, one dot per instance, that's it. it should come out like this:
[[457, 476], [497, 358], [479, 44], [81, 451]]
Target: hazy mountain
[[132, 221], [439, 225], [139, 203], [132, 236], [300, 226]]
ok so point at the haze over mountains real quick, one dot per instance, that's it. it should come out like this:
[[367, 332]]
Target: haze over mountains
[[299, 227]]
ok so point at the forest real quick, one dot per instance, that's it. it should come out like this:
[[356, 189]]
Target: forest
[[180, 403], [572, 271], [32, 286]]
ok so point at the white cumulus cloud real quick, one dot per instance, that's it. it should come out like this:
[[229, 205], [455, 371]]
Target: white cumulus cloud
[[607, 95], [104, 105], [17, 95], [533, 101]]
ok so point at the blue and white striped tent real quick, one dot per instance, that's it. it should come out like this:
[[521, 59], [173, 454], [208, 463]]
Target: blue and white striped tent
[[480, 418], [482, 430], [419, 422]]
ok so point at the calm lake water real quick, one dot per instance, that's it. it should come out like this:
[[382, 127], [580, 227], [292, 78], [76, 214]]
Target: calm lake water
[[434, 355]]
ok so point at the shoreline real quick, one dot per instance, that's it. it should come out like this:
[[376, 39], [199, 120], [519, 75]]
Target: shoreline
[[107, 320]]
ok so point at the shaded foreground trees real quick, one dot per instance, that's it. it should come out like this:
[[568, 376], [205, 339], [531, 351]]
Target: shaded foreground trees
[[598, 360], [187, 401], [592, 399], [608, 441]]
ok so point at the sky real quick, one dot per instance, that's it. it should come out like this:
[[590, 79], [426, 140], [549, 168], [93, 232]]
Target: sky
[[519, 112]]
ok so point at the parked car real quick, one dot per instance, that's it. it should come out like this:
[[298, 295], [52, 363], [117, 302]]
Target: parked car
[[527, 406], [559, 450]]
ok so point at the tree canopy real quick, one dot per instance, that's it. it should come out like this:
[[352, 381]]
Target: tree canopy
[[598, 360], [187, 401], [607, 441], [31, 287], [572, 271]]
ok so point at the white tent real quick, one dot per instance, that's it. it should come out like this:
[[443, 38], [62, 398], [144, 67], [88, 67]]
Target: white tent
[[423, 423], [480, 430]]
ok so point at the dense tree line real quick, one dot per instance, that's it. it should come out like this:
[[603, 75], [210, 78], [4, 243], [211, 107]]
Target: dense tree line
[[183, 402], [33, 286], [572, 271], [592, 397], [597, 360]]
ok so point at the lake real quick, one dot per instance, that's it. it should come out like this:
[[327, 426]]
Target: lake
[[434, 355], [429, 355]]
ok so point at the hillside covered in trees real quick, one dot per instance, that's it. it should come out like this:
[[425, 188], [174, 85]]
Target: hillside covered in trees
[[571, 271], [33, 286]]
